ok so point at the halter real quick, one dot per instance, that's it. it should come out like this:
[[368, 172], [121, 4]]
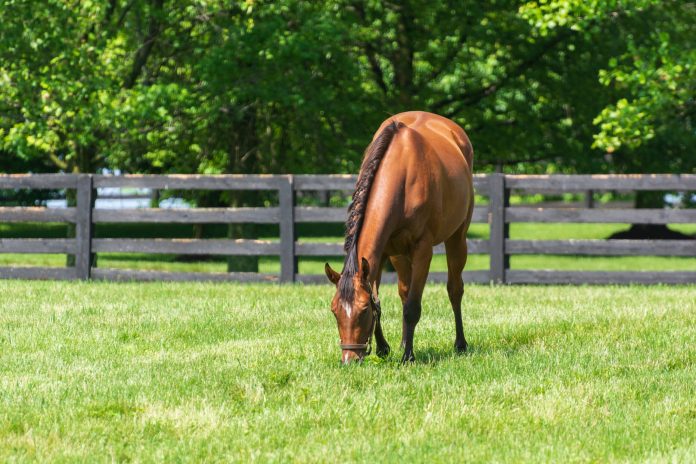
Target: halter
[[367, 346]]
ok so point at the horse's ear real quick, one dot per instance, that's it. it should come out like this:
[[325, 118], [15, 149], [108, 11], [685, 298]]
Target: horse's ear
[[365, 269], [331, 274]]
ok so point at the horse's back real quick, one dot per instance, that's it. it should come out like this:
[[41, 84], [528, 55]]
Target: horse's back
[[434, 156], [445, 136]]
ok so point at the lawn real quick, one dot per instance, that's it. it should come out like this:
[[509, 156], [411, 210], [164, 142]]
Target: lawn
[[228, 372]]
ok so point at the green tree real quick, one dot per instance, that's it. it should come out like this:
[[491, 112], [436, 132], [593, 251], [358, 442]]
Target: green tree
[[211, 86], [648, 126], [295, 86]]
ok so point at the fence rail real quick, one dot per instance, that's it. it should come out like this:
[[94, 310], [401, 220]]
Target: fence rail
[[498, 213]]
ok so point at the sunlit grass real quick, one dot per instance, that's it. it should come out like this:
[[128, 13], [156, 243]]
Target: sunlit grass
[[94, 372], [315, 265]]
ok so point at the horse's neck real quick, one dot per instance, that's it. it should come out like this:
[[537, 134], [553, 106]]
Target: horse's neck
[[373, 238]]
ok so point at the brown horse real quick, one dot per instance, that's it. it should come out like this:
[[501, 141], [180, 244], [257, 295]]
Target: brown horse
[[414, 191]]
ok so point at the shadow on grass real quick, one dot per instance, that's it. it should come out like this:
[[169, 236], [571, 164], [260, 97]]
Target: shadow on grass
[[506, 344], [435, 355], [432, 355]]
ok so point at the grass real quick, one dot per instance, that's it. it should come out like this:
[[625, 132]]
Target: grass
[[315, 265], [95, 372]]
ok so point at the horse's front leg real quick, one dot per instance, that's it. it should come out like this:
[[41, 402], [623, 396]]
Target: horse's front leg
[[420, 264], [402, 264], [383, 348]]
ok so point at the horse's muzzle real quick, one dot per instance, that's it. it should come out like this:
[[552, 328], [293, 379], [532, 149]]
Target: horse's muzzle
[[350, 356]]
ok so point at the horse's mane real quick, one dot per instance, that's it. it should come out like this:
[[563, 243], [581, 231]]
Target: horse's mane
[[356, 211]]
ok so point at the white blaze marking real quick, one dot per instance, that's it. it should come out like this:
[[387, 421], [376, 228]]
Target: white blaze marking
[[348, 308]]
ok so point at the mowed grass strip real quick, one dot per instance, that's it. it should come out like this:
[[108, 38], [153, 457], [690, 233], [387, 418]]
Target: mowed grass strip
[[315, 265], [224, 372]]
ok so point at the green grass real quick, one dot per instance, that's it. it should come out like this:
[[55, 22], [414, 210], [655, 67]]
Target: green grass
[[96, 372], [315, 265]]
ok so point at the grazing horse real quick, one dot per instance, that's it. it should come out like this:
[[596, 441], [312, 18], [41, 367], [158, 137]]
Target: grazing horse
[[414, 191]]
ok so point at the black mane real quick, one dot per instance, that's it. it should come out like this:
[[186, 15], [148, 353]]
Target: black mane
[[356, 211]]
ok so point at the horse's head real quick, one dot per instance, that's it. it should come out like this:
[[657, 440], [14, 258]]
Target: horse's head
[[356, 308]]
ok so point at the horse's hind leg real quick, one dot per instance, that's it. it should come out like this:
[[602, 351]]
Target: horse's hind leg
[[456, 259], [420, 265]]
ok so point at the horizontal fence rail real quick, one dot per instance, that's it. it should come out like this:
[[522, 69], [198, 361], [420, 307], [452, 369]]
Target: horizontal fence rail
[[31, 214], [616, 182], [193, 182], [188, 216], [238, 247], [639, 216], [498, 213]]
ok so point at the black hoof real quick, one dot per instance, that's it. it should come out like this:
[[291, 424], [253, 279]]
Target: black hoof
[[383, 351], [460, 347], [407, 358]]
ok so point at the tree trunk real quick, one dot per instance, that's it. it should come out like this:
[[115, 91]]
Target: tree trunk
[[155, 199], [240, 263], [243, 144], [71, 200], [403, 58], [205, 200], [650, 200]]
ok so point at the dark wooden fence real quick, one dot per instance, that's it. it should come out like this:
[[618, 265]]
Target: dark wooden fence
[[497, 213]]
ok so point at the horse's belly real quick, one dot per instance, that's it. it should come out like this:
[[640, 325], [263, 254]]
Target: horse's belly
[[447, 227], [431, 221], [450, 208]]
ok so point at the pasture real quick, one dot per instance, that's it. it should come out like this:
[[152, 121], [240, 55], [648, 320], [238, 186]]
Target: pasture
[[230, 372], [315, 265]]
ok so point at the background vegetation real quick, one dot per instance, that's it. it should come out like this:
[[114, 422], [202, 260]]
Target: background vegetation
[[211, 86], [296, 86]]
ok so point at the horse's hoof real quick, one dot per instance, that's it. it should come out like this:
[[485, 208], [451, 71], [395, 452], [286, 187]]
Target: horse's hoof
[[383, 351], [408, 358], [460, 347]]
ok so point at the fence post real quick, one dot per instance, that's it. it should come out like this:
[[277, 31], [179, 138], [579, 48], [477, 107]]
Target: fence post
[[83, 227], [589, 198], [499, 229], [288, 261]]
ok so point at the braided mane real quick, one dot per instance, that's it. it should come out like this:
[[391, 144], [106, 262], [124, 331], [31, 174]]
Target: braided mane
[[356, 211]]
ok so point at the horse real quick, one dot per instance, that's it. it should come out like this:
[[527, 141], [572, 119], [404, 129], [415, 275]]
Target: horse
[[414, 191]]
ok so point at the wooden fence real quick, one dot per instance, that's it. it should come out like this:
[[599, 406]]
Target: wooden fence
[[497, 213]]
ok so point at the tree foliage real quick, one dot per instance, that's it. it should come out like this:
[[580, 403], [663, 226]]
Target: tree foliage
[[217, 86]]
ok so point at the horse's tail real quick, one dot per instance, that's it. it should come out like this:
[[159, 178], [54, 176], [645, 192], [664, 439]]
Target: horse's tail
[[371, 160]]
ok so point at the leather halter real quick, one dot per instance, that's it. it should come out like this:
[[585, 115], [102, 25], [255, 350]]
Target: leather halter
[[367, 346]]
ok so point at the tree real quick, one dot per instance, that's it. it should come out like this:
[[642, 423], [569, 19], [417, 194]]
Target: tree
[[294, 86], [61, 68], [648, 126], [654, 84]]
